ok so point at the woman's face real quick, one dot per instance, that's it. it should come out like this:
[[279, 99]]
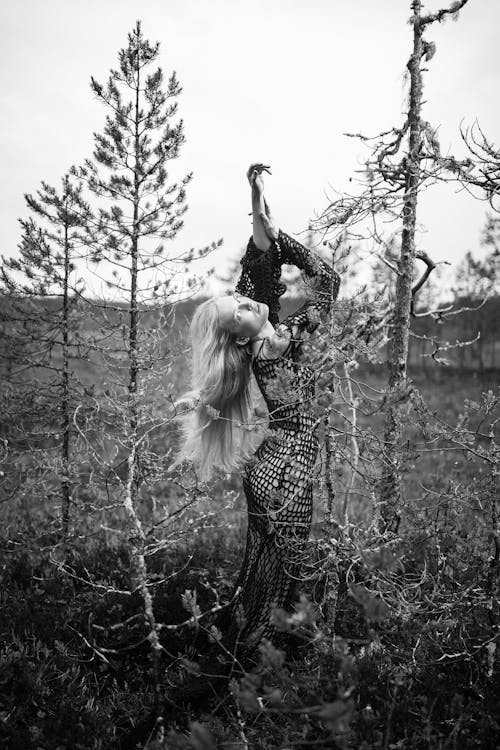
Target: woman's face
[[242, 315]]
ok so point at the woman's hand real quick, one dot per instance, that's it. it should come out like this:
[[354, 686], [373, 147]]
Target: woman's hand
[[264, 230], [255, 178]]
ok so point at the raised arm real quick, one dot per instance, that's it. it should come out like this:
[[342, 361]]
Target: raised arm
[[261, 264], [325, 283], [260, 235]]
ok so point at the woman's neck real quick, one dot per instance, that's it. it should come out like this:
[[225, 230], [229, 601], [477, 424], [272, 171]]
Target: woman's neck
[[265, 332]]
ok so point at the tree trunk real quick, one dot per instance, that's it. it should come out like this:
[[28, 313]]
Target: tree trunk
[[138, 537], [391, 490], [134, 314], [65, 401]]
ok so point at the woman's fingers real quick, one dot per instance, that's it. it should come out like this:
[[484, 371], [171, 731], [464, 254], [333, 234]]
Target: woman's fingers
[[252, 173], [258, 168], [253, 168]]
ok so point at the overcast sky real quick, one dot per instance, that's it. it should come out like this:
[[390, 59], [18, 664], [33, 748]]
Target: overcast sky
[[272, 80]]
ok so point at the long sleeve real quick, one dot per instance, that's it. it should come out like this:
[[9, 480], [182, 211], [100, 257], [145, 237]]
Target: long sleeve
[[260, 277], [326, 283]]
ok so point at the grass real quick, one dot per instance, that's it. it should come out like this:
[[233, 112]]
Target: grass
[[418, 671]]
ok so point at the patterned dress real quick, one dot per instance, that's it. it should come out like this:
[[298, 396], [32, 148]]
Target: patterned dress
[[278, 481]]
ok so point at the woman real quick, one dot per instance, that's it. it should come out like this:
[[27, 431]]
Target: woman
[[232, 337]]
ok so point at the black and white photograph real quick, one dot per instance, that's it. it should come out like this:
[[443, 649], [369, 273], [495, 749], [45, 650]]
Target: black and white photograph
[[249, 375]]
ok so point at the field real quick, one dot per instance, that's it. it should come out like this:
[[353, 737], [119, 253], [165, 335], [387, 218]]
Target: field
[[403, 655]]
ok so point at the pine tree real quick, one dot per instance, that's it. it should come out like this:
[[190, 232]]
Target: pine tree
[[42, 329], [140, 211]]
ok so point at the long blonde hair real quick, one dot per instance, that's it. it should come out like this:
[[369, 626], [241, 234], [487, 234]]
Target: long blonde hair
[[219, 424]]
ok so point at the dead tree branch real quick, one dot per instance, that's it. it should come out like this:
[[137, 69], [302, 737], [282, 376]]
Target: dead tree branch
[[441, 14]]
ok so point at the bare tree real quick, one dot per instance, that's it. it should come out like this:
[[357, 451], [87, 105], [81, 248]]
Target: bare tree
[[402, 161], [480, 171]]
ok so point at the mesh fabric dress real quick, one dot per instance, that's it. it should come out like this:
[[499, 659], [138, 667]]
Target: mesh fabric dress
[[278, 481]]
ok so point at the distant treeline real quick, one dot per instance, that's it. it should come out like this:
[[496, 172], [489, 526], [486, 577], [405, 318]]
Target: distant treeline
[[468, 339]]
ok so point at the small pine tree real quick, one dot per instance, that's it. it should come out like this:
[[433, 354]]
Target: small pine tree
[[139, 210], [42, 329]]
